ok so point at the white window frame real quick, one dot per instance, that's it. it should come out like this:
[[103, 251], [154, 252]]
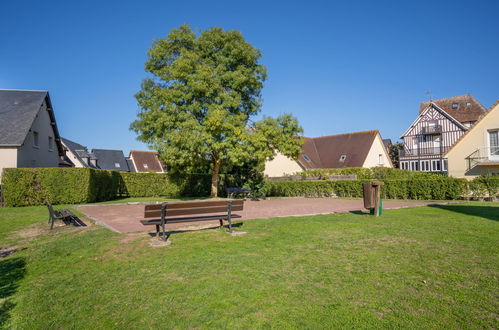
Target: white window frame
[[425, 166], [414, 165], [489, 149], [117, 165], [434, 168], [444, 165]]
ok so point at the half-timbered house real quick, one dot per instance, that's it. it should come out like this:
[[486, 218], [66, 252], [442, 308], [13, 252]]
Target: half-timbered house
[[439, 125]]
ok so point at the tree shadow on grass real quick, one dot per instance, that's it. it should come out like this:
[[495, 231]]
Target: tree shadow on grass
[[12, 270], [487, 212]]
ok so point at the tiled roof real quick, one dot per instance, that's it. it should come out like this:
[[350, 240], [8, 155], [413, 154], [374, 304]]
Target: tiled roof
[[337, 151], [463, 108], [111, 159], [146, 161]]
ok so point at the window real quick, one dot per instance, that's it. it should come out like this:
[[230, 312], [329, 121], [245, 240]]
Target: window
[[425, 165], [414, 165], [468, 104], [342, 158], [404, 165], [117, 165], [35, 139], [145, 166], [455, 105], [380, 161], [51, 143], [306, 158], [435, 165], [494, 143], [444, 165]]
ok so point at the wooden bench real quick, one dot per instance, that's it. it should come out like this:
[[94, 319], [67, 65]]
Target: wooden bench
[[177, 212], [64, 215]]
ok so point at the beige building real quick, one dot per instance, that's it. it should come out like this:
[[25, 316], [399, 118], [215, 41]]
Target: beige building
[[360, 149], [477, 151], [28, 130]]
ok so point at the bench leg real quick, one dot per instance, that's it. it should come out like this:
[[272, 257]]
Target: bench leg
[[157, 230], [52, 223], [164, 232], [230, 225], [221, 223]]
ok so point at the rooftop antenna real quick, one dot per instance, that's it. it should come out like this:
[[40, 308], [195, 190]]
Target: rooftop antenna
[[428, 92]]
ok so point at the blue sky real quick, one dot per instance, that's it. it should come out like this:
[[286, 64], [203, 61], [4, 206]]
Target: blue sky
[[339, 66]]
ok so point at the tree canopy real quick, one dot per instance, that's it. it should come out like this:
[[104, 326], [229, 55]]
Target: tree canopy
[[197, 104]]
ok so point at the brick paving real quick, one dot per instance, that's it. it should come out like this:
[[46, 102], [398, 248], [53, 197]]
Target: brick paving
[[125, 218]]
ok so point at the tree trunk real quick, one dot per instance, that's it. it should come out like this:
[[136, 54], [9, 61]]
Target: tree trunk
[[214, 177]]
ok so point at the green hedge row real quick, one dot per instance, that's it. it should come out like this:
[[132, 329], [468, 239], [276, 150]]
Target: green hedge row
[[437, 188], [374, 173], [32, 186]]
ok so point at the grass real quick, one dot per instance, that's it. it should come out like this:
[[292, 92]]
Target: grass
[[422, 267]]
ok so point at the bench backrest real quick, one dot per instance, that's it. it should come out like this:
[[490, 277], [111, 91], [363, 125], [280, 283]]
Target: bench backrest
[[51, 209], [191, 208]]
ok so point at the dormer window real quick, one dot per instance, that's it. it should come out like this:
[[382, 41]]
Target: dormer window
[[306, 158], [343, 158], [468, 104], [146, 166], [455, 105], [117, 165]]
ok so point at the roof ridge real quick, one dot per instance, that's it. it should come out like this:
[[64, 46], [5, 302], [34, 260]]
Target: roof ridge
[[360, 132], [451, 97], [24, 90]]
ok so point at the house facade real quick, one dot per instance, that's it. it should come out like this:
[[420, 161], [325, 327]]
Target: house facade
[[78, 155], [439, 125], [28, 130], [359, 149], [477, 151]]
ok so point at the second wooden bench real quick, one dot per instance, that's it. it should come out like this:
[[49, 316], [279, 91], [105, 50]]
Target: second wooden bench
[[177, 212]]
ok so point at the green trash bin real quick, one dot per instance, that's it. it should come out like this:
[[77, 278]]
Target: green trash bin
[[380, 207]]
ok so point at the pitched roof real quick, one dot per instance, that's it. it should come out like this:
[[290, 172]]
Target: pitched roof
[[337, 151], [494, 107], [80, 152], [131, 167], [468, 108], [107, 159], [387, 143], [18, 110], [146, 161]]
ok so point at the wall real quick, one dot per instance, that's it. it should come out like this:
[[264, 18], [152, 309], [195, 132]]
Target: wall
[[8, 158], [41, 156], [73, 158], [475, 138], [281, 165], [372, 159]]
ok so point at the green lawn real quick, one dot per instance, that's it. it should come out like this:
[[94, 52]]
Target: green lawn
[[423, 267]]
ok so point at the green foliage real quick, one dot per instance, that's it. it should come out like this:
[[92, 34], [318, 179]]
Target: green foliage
[[485, 187], [440, 188], [197, 106], [32, 186], [374, 173]]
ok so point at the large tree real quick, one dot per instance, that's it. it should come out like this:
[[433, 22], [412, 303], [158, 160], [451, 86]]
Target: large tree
[[196, 106]]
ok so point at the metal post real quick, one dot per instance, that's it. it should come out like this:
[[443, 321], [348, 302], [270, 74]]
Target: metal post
[[229, 211], [163, 220]]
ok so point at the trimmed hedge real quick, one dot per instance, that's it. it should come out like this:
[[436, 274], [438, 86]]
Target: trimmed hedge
[[374, 173], [32, 186], [439, 188]]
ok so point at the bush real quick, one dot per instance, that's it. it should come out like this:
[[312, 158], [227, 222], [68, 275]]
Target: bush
[[485, 187], [32, 186], [438, 188], [375, 173]]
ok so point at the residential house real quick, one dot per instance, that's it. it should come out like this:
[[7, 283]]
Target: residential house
[[145, 161], [477, 151], [360, 149], [28, 130], [78, 154], [111, 159], [439, 125]]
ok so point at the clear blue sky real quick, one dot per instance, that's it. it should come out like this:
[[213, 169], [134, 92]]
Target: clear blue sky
[[339, 66]]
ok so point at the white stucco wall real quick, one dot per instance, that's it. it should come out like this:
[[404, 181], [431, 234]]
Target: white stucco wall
[[475, 138], [8, 158], [72, 157], [373, 158], [281, 165], [31, 156]]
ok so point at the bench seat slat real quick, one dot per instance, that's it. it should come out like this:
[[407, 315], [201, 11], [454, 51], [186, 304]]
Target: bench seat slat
[[195, 210], [189, 219]]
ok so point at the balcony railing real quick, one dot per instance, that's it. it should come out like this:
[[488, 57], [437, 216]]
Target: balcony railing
[[483, 156], [429, 130], [428, 151]]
